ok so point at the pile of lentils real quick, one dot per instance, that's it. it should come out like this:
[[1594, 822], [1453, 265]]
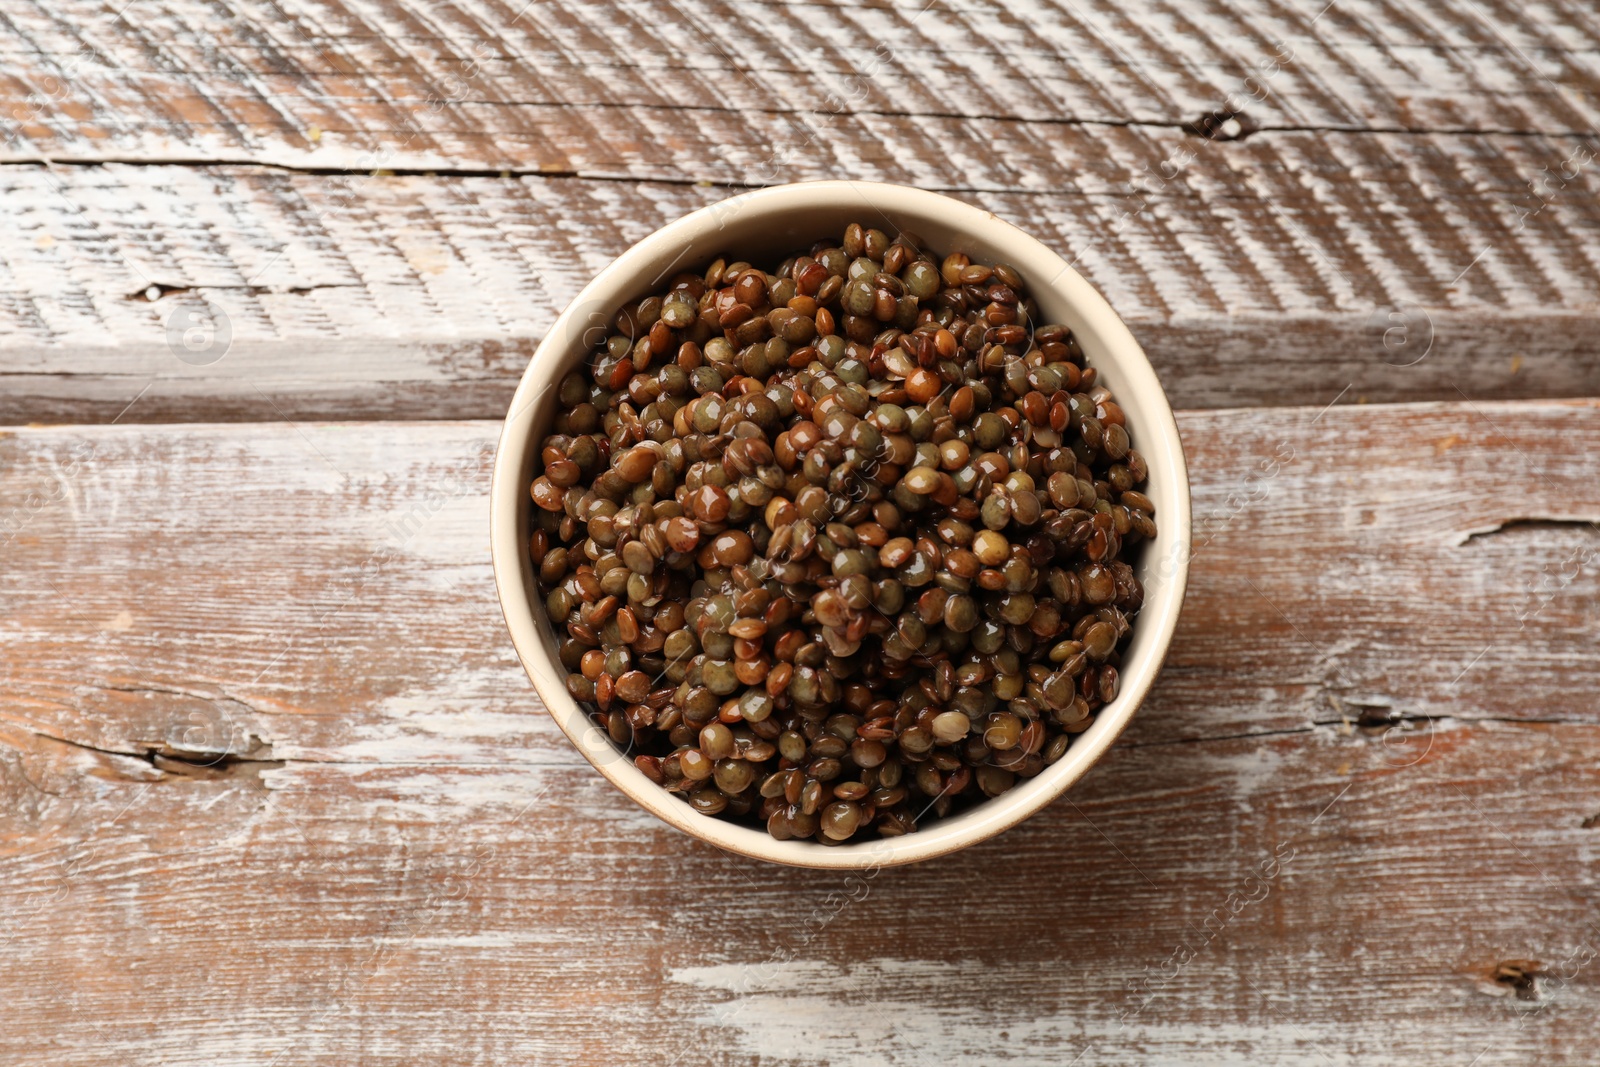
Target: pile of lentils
[[840, 547]]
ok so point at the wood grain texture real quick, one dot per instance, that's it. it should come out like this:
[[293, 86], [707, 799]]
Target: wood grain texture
[[1289, 900], [1416, 171], [1357, 563], [1266, 272], [276, 790], [647, 89]]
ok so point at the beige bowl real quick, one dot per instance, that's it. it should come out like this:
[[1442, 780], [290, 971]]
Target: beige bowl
[[762, 226]]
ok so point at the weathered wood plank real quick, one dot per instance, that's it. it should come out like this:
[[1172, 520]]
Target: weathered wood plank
[[1356, 564], [1432, 160], [1298, 899], [650, 89], [1360, 791], [1279, 272]]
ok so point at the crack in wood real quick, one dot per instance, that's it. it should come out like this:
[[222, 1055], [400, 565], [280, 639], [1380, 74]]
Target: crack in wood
[[1365, 723], [1213, 127], [162, 290], [1522, 524], [177, 764]]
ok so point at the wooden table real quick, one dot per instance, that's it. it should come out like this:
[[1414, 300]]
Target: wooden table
[[276, 790]]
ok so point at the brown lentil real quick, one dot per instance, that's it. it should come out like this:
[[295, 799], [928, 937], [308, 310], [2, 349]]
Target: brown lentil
[[843, 547]]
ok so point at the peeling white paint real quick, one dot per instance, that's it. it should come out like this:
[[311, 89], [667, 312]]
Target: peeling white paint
[[911, 1013]]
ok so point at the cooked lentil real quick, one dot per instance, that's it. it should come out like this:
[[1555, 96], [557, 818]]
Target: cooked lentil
[[842, 546]]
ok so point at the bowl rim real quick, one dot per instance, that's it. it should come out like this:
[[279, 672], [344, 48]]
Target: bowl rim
[[698, 232]]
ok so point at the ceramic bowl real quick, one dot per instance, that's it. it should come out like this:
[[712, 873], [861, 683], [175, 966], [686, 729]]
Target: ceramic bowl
[[763, 226]]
